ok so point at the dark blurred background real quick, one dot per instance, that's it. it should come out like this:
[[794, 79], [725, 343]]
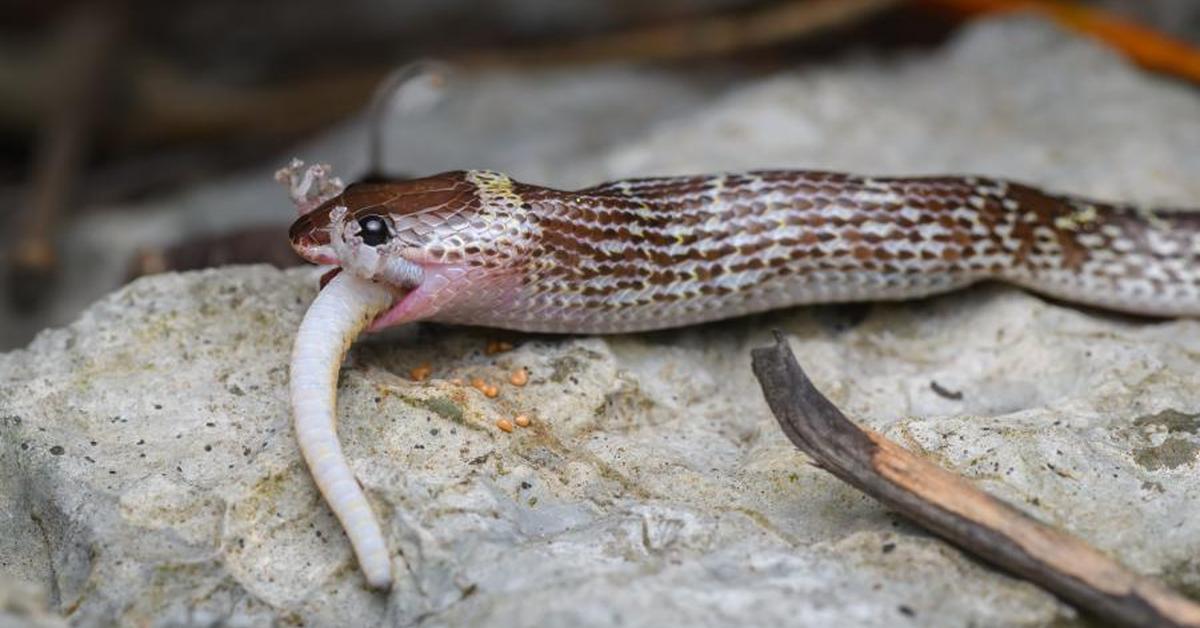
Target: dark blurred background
[[121, 107]]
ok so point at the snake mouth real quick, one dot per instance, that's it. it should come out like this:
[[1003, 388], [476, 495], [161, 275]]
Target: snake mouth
[[413, 300], [417, 286], [329, 275], [434, 289], [314, 246], [400, 301]]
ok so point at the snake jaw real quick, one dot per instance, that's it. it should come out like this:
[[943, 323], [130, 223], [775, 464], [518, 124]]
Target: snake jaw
[[416, 286], [315, 252], [311, 237], [436, 289]]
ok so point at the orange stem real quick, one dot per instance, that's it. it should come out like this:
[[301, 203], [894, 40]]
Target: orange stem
[[1147, 47]]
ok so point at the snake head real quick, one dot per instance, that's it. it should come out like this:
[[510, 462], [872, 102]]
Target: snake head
[[422, 236]]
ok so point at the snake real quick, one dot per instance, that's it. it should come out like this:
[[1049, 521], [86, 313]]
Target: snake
[[476, 247]]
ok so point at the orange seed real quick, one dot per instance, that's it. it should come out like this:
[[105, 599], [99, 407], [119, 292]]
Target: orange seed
[[497, 346], [420, 373], [519, 377], [484, 387], [504, 425], [521, 420]]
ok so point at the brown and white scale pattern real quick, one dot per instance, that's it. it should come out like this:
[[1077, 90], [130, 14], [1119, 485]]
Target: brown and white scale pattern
[[479, 248]]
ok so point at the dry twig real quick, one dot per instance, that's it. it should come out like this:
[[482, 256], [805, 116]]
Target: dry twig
[[949, 506]]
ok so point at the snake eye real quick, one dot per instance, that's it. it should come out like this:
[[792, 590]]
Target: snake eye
[[373, 230]]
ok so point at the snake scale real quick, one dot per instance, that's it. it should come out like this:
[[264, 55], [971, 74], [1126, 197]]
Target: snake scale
[[477, 247]]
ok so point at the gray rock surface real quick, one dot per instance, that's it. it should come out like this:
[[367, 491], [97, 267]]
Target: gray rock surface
[[148, 473]]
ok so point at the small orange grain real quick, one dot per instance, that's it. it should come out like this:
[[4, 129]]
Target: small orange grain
[[504, 425], [521, 420], [519, 377], [497, 346], [420, 373], [484, 387]]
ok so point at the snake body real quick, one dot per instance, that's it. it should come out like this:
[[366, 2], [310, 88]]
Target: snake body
[[639, 254], [476, 247]]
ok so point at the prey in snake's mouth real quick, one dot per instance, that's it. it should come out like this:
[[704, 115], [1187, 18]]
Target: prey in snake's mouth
[[313, 236], [409, 236]]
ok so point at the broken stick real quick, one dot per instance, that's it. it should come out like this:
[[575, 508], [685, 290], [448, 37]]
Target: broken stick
[[952, 508]]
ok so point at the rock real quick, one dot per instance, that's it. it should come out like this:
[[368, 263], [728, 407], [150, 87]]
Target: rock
[[24, 604], [150, 476]]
